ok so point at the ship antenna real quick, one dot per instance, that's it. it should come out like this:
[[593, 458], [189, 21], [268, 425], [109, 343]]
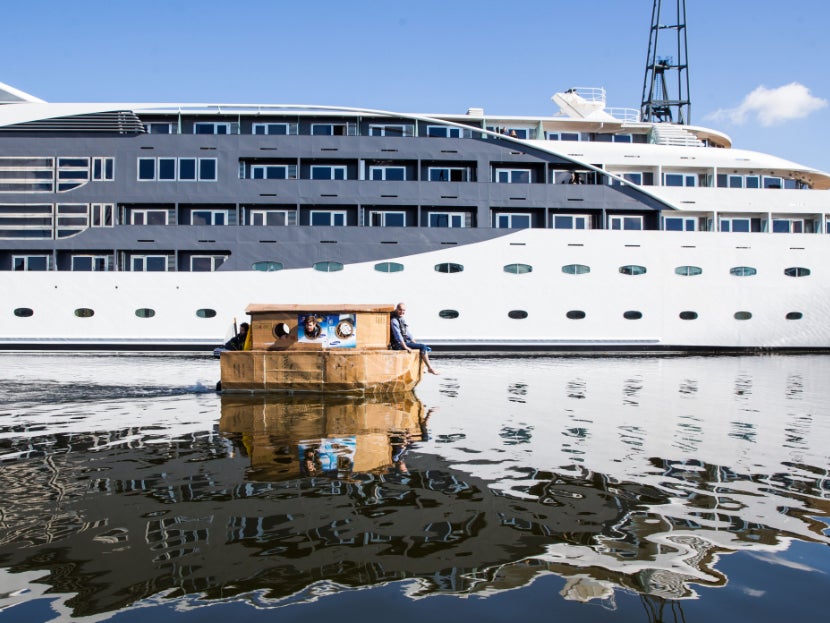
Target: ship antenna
[[658, 106]]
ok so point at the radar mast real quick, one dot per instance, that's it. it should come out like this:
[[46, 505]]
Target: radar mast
[[658, 105]]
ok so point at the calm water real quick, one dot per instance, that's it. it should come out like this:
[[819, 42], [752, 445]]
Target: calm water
[[578, 489]]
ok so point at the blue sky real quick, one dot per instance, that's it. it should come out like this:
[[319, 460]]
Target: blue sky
[[758, 70]]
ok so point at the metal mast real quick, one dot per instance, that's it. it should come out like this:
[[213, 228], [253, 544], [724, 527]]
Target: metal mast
[[658, 103]]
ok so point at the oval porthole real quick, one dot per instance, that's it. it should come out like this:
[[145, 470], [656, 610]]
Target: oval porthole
[[389, 267], [688, 315], [205, 313], [281, 330], [797, 271], [145, 312], [518, 269], [632, 315], [24, 312], [449, 314], [328, 267], [688, 271], [266, 266], [576, 269], [633, 269], [743, 315], [449, 267], [84, 312], [517, 314], [794, 316], [743, 271], [576, 314]]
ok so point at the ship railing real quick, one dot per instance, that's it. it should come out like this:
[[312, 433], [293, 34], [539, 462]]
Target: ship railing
[[626, 115]]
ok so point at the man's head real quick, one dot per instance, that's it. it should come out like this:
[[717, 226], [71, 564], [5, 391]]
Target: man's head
[[400, 309], [243, 328]]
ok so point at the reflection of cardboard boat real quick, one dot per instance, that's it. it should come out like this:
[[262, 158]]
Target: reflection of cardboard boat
[[350, 355], [348, 434]]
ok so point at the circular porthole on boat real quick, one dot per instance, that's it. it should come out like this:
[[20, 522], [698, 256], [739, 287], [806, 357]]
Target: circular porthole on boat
[[205, 313], [517, 314], [281, 330], [24, 312], [794, 316], [145, 312], [743, 315], [688, 315], [84, 312], [576, 314], [632, 315], [449, 314]]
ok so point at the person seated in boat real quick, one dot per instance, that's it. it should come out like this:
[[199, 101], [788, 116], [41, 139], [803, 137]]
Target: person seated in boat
[[237, 342], [311, 328], [575, 179], [402, 339]]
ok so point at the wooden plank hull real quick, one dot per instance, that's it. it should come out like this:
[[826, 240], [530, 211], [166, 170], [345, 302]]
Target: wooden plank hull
[[342, 371]]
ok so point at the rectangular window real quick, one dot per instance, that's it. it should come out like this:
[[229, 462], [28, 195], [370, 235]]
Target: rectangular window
[[387, 219], [90, 263], [268, 217], [328, 218], [146, 169], [274, 172], [167, 169], [679, 223], [187, 169], [330, 129], [736, 181], [156, 127], [103, 169], [623, 138], [209, 217], [445, 219], [30, 262], [207, 169], [448, 174], [148, 217], [513, 176], [680, 179], [211, 127], [563, 136], [773, 182], [102, 215], [443, 131], [328, 172], [388, 173], [737, 225], [571, 221], [148, 263], [788, 226], [278, 129], [206, 263], [511, 221], [390, 130], [628, 223]]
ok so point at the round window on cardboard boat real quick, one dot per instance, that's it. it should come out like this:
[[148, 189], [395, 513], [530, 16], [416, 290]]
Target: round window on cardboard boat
[[518, 269], [327, 267], [205, 313], [389, 267], [281, 330], [145, 312], [743, 271], [633, 269], [24, 312], [576, 314], [449, 314], [517, 314], [267, 266], [688, 271], [576, 269], [794, 316], [797, 271], [743, 315], [449, 267]]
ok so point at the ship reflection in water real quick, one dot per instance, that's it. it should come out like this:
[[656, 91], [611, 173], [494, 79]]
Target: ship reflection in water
[[619, 477]]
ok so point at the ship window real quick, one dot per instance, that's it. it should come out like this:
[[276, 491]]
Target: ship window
[[627, 223], [743, 271], [390, 130], [387, 219], [167, 169], [24, 312], [148, 263], [329, 129], [446, 219], [632, 315], [90, 263], [187, 169], [443, 131], [517, 314], [633, 269], [449, 267], [84, 312], [205, 312], [511, 221], [328, 172], [448, 174], [571, 221], [563, 136], [576, 269], [266, 266], [740, 225], [273, 172], [279, 129], [797, 271], [146, 169], [158, 128], [103, 169], [679, 179], [30, 262], [576, 314], [327, 267], [207, 169], [743, 315], [688, 315], [145, 312], [773, 182], [513, 176], [518, 269], [387, 173], [148, 217], [209, 217], [794, 316], [448, 314], [328, 218], [102, 215], [788, 226], [206, 263], [268, 217], [389, 267], [678, 223], [688, 271], [211, 127]]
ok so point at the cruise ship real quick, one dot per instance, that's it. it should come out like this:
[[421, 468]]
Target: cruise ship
[[152, 226]]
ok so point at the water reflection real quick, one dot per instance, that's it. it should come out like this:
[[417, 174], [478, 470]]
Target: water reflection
[[289, 498]]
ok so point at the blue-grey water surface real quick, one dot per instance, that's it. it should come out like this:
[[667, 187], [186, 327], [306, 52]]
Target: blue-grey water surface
[[579, 489]]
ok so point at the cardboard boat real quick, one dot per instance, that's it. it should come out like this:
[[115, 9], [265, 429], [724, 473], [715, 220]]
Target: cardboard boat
[[349, 355]]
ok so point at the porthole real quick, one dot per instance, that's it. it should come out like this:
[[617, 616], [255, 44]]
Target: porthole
[[794, 316], [518, 269], [576, 269], [205, 313], [688, 315], [633, 269], [24, 312], [267, 266], [743, 271], [517, 314], [84, 312], [145, 312], [449, 267], [688, 271], [797, 271], [389, 267], [281, 330], [743, 315], [328, 267], [632, 315], [449, 314], [576, 314]]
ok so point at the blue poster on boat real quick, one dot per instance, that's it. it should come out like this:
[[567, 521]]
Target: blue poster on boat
[[330, 330]]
